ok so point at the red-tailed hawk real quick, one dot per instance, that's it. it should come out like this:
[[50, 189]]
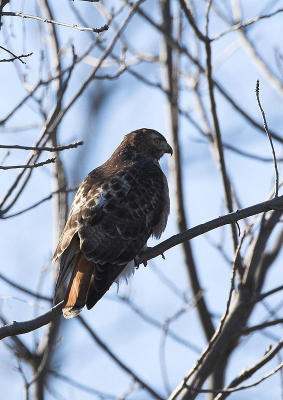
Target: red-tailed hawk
[[115, 210]]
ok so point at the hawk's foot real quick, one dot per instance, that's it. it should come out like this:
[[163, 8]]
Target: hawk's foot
[[136, 259]]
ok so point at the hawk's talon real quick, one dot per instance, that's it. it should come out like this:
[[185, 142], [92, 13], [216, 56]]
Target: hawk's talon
[[137, 265], [163, 256], [136, 259]]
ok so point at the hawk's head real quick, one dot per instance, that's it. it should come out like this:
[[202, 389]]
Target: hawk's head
[[148, 142]]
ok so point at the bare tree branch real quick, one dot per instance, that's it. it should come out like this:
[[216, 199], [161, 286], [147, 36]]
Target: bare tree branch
[[248, 372], [27, 326], [49, 197], [19, 328], [241, 25], [258, 327], [276, 186], [173, 84], [270, 292], [15, 57], [208, 226], [42, 148], [184, 50], [31, 166], [51, 21]]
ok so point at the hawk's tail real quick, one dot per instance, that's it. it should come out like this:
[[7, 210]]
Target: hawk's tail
[[101, 280], [77, 292]]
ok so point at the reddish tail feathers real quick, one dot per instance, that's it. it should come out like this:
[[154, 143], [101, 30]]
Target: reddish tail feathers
[[78, 288]]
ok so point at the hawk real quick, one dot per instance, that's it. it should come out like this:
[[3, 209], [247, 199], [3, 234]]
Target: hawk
[[116, 209]]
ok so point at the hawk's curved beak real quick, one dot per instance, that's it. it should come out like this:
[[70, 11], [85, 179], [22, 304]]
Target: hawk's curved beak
[[169, 150]]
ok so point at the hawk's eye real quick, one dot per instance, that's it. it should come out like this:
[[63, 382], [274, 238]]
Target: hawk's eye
[[156, 141]]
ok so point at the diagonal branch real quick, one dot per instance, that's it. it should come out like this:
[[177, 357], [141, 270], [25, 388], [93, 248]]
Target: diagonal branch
[[248, 372], [18, 328], [274, 204]]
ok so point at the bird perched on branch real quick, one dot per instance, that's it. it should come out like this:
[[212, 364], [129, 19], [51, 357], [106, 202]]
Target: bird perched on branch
[[116, 209]]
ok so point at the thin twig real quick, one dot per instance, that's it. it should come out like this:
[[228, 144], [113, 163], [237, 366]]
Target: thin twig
[[23, 289], [48, 128], [245, 153], [154, 322], [250, 47], [106, 53], [232, 390], [15, 57], [258, 327], [191, 19], [217, 132], [19, 105], [49, 197], [248, 372], [184, 50], [270, 140], [266, 294], [51, 21], [42, 148], [172, 85], [36, 165], [241, 25]]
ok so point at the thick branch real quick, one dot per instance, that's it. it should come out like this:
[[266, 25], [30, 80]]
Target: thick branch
[[17, 328], [274, 204]]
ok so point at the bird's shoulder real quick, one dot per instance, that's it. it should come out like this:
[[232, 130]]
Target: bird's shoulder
[[110, 179]]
